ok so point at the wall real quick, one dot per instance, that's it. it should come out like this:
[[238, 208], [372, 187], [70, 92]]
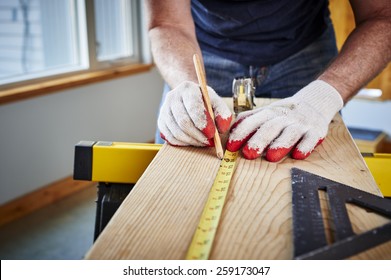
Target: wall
[[37, 136], [375, 115]]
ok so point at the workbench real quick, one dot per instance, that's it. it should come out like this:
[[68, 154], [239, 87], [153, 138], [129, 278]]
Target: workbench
[[158, 218]]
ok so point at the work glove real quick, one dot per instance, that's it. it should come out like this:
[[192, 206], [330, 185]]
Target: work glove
[[184, 119], [299, 122]]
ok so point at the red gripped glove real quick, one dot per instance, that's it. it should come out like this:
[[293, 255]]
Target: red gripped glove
[[184, 119], [299, 122]]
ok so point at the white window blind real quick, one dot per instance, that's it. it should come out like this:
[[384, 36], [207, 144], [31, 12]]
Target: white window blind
[[43, 38]]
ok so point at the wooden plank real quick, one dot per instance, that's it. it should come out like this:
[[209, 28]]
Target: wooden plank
[[157, 220]]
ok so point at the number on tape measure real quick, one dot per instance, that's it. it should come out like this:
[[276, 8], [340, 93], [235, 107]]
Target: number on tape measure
[[201, 244]]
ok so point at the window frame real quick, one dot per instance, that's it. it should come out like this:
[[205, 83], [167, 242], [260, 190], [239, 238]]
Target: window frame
[[91, 34], [90, 68]]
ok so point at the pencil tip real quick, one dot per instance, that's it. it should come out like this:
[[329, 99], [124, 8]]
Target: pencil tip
[[220, 155]]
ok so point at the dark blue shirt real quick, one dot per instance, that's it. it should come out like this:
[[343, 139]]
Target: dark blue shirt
[[261, 32]]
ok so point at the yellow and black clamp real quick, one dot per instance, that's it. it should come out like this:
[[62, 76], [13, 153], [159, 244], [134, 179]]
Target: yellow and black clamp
[[116, 167]]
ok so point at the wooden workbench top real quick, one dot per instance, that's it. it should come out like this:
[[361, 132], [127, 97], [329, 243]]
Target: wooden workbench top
[[158, 218]]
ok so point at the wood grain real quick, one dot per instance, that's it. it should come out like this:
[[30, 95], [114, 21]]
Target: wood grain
[[157, 220]]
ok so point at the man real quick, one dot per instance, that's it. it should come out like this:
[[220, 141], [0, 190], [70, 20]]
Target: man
[[288, 47]]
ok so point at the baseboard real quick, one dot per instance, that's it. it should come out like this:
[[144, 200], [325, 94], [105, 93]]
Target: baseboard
[[44, 196]]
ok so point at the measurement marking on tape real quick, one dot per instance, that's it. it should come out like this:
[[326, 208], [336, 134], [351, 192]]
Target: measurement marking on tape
[[202, 242]]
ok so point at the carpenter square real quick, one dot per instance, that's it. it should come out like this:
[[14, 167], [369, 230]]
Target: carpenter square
[[309, 235]]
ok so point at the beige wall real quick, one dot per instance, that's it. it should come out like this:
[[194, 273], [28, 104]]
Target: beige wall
[[37, 136]]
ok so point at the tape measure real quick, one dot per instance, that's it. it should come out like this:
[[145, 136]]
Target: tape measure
[[202, 242]]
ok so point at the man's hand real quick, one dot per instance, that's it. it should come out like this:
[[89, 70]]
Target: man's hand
[[300, 122], [184, 119]]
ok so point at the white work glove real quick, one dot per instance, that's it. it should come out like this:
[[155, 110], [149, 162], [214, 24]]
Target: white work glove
[[300, 121], [184, 119]]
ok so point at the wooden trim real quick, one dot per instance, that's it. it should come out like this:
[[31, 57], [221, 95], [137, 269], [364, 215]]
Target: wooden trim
[[44, 196], [40, 88]]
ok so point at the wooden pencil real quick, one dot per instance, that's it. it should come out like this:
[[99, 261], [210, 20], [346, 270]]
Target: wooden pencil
[[202, 82]]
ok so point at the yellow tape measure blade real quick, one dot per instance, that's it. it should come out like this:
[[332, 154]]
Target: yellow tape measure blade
[[202, 241]]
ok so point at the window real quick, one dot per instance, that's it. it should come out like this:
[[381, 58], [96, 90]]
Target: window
[[114, 33], [41, 38]]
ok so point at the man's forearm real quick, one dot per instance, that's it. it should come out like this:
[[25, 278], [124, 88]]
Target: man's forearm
[[173, 54], [173, 40], [365, 53]]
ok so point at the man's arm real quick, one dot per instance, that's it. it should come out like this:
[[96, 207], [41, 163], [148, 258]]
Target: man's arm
[[173, 40], [298, 124], [366, 51], [183, 119]]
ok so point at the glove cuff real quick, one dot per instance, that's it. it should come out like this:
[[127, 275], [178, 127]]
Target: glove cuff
[[323, 97]]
